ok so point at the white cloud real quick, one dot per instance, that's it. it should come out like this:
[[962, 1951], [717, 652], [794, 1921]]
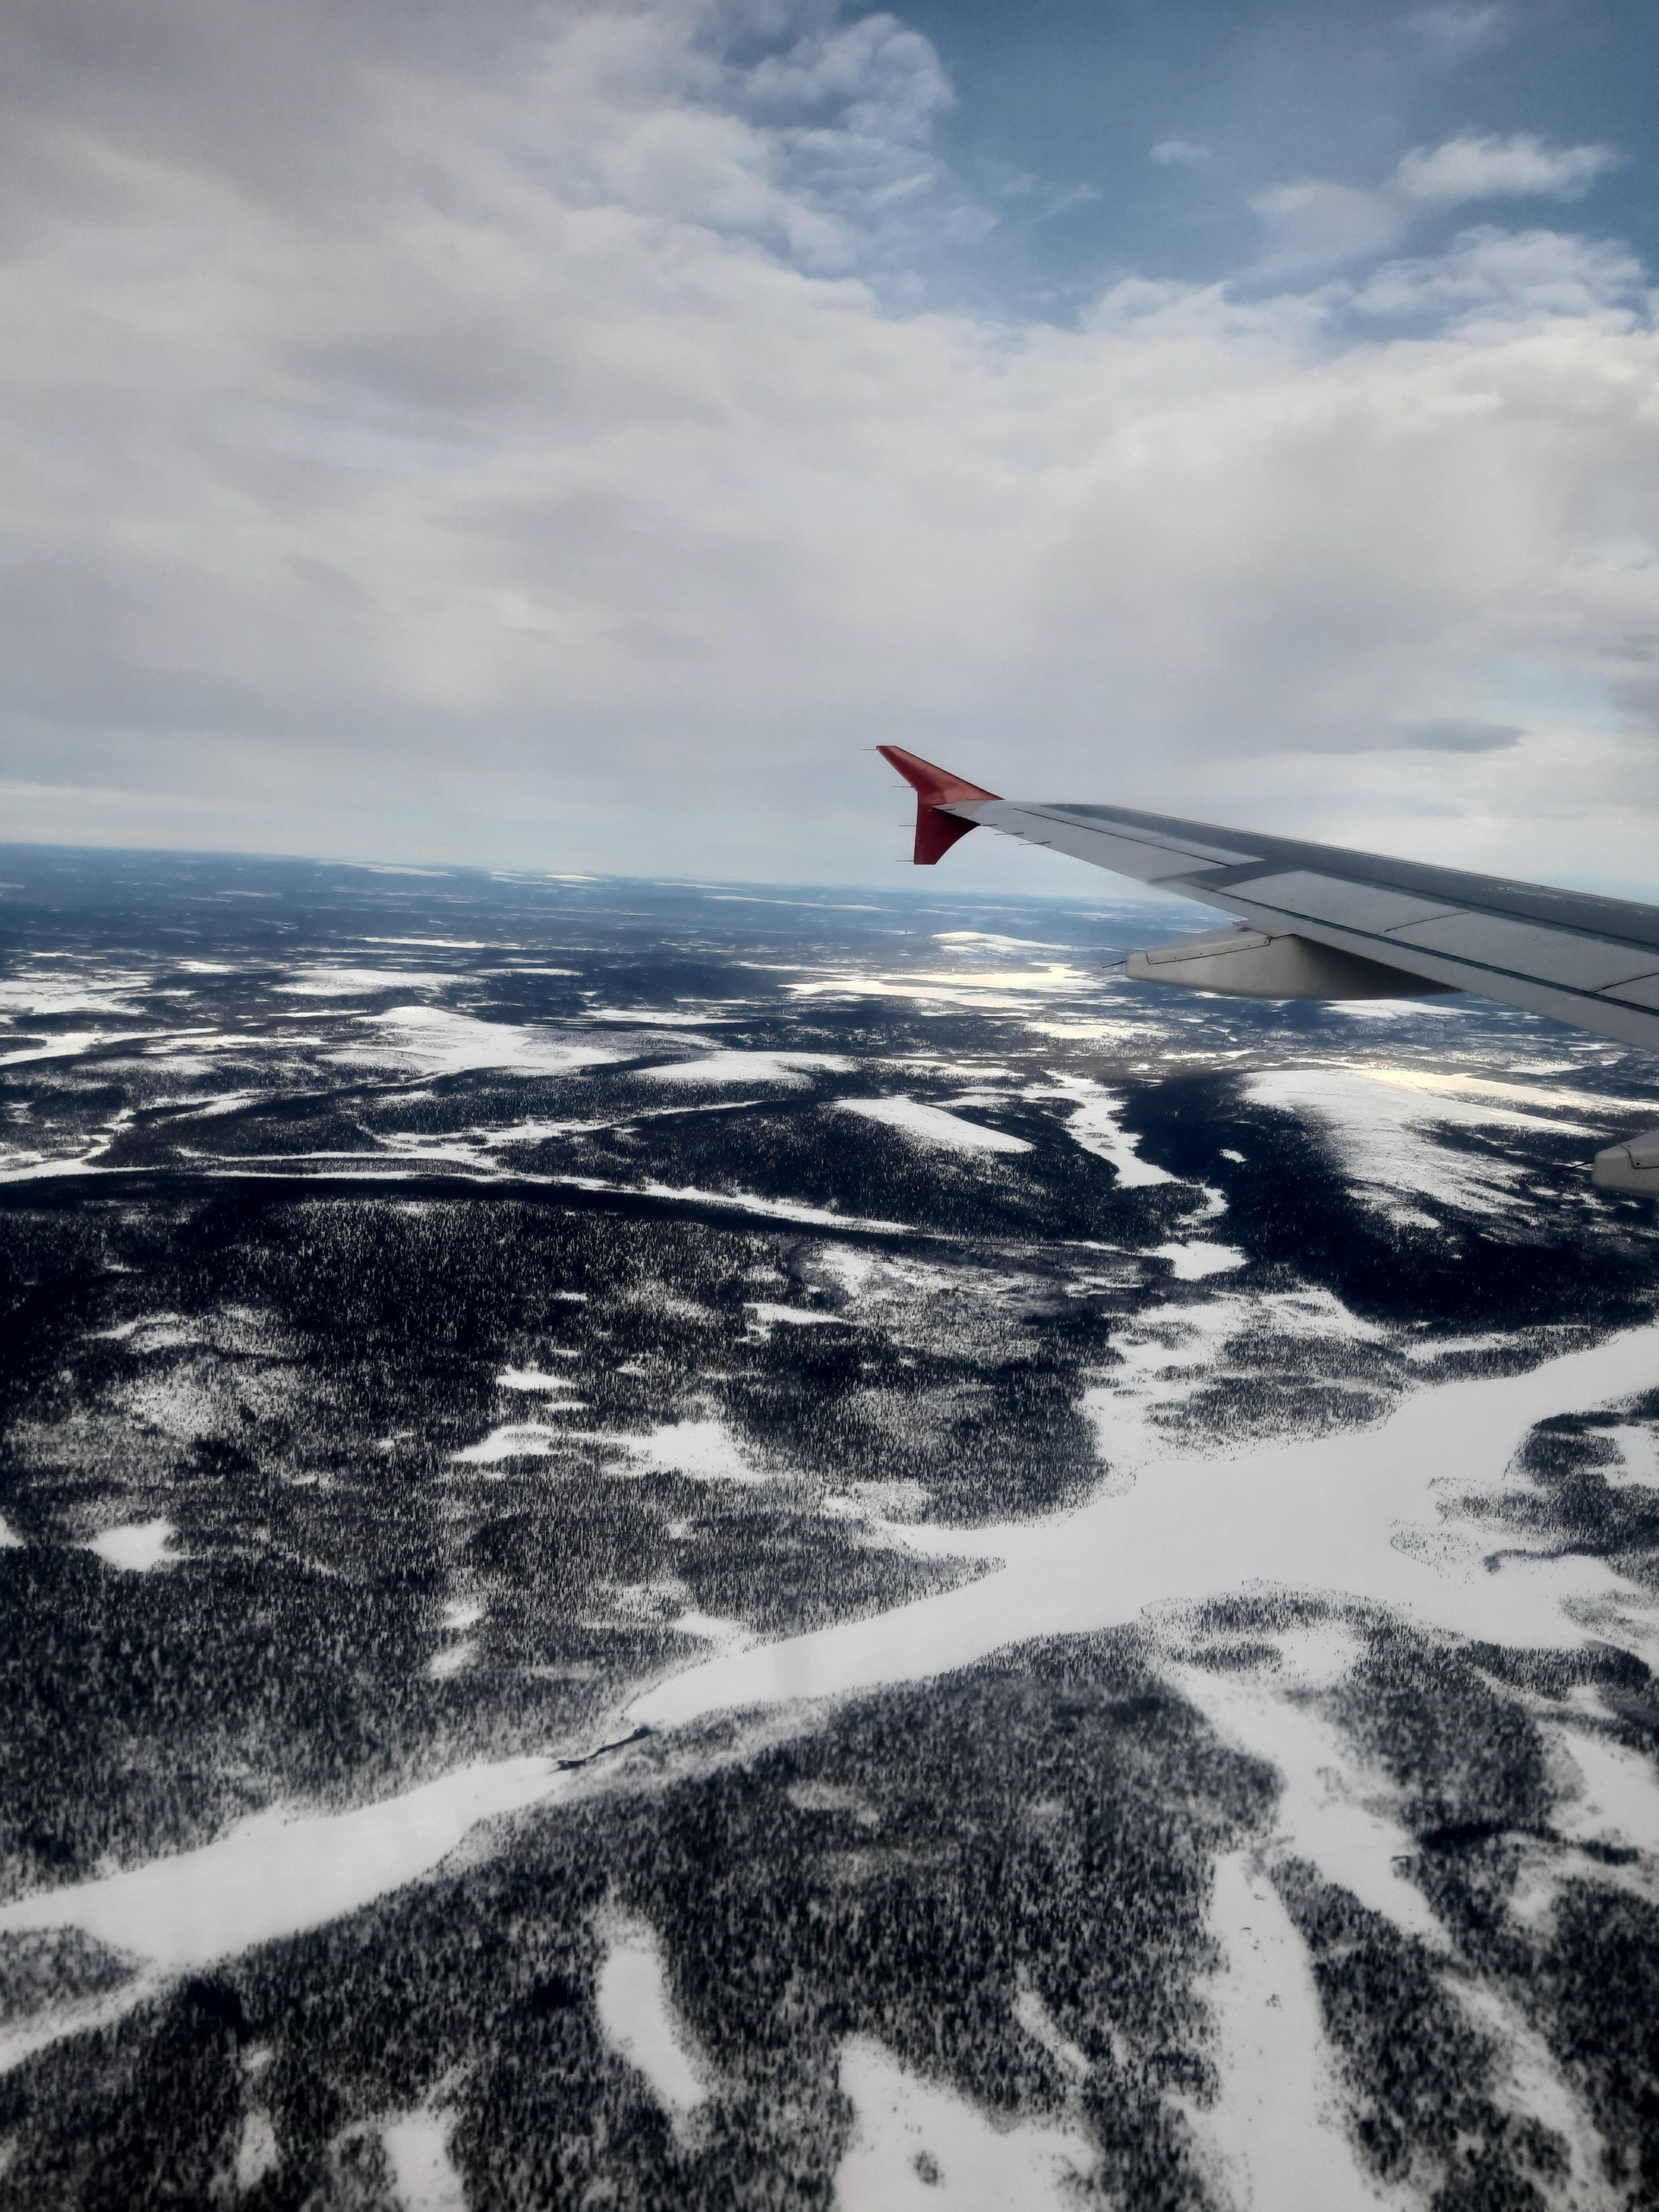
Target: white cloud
[[1508, 275], [887, 80], [1455, 31], [512, 441], [1496, 168], [1313, 223], [1171, 153]]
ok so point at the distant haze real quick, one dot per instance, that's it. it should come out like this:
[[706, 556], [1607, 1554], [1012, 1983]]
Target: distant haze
[[563, 436]]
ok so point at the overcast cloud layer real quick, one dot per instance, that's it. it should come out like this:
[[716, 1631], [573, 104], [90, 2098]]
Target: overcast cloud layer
[[563, 437]]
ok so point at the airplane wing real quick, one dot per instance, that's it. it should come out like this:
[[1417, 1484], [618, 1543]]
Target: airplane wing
[[1319, 921]]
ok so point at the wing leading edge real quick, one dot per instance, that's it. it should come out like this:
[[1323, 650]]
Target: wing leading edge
[[1319, 921]]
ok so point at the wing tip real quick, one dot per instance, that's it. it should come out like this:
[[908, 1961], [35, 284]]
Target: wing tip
[[935, 788]]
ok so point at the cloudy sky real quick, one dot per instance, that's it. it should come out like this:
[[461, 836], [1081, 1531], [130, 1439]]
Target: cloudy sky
[[562, 435]]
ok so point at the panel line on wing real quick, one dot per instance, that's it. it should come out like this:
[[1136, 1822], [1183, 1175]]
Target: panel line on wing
[[1193, 848], [1583, 963], [1148, 860], [1570, 959], [1331, 899], [1640, 990]]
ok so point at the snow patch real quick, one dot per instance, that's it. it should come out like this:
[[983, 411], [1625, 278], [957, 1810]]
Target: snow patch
[[993, 990], [725, 1634], [1379, 1125], [1043, 2028], [1275, 2129], [1639, 1451], [51, 992], [1330, 1811], [786, 1068], [1619, 1801], [150, 1332], [740, 1202], [355, 982], [1191, 1262], [256, 2150], [640, 1017], [70, 1045], [768, 1316], [920, 2143], [1442, 1347], [136, 1546], [638, 2017], [435, 1041], [423, 2176], [814, 1795], [1533, 2087], [851, 1269], [1094, 1125], [704, 1451], [212, 1109], [528, 1439], [1447, 1083], [933, 1125]]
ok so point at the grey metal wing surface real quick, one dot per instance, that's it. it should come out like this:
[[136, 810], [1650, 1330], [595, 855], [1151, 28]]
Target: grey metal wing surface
[[1589, 961], [1319, 921]]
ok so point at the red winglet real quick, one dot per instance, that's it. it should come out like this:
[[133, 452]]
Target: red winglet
[[935, 787]]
